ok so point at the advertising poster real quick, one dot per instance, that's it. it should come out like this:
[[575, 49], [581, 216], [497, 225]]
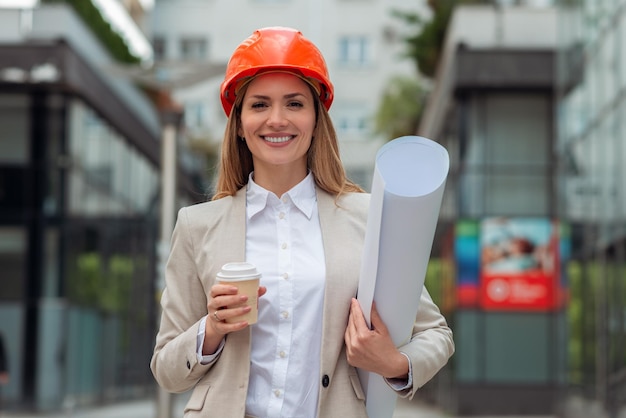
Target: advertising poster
[[520, 264], [467, 261]]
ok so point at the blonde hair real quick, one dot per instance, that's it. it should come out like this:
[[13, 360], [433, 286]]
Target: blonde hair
[[322, 159]]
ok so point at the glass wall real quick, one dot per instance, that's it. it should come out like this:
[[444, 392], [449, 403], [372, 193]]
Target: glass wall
[[592, 128], [14, 152], [108, 258], [14, 160], [502, 174], [14, 149], [78, 208], [13, 260], [506, 156], [108, 177]]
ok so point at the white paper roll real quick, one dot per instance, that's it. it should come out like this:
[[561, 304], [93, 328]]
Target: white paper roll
[[407, 190]]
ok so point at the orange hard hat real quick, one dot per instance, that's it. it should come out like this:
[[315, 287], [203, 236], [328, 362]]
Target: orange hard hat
[[276, 49]]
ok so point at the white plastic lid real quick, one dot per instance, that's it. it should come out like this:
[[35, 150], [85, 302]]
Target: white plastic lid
[[238, 271]]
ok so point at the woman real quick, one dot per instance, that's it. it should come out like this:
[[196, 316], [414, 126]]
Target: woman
[[283, 203]]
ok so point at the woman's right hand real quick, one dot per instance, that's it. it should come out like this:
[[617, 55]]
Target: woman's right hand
[[222, 296]]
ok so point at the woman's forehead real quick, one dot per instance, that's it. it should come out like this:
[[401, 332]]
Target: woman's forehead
[[274, 80]]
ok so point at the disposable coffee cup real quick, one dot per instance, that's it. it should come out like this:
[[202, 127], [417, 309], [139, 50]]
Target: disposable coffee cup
[[245, 277]]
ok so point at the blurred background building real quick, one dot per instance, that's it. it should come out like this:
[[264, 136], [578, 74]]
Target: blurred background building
[[79, 192], [590, 146], [528, 96], [493, 109]]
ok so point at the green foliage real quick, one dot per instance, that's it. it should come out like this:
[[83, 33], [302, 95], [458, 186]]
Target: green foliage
[[433, 281], [596, 308], [441, 285], [425, 44], [400, 108], [93, 19], [579, 313], [106, 286]]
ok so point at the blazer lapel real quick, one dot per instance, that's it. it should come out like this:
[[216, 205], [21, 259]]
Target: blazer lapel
[[236, 219], [234, 249], [341, 244]]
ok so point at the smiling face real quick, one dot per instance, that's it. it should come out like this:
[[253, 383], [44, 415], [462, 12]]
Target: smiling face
[[277, 122]]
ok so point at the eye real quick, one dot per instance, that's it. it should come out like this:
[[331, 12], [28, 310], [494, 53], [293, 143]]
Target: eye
[[295, 103], [258, 105]]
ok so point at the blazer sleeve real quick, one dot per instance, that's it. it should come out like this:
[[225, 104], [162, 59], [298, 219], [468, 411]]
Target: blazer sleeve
[[174, 363], [431, 344]]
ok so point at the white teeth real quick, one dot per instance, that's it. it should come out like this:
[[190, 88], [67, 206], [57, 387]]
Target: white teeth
[[277, 139]]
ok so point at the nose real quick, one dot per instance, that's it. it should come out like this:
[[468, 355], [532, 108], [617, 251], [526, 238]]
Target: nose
[[276, 117]]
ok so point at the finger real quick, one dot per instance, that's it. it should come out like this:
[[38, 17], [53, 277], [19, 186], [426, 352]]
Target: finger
[[222, 289], [349, 327], [354, 331], [215, 316], [220, 319], [360, 325], [223, 328], [225, 301], [352, 319], [262, 290], [377, 321], [232, 311], [348, 336]]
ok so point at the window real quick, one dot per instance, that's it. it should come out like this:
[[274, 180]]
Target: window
[[507, 162], [351, 123], [159, 48], [354, 50], [14, 134], [351, 119], [13, 254], [193, 49], [108, 175], [195, 115]]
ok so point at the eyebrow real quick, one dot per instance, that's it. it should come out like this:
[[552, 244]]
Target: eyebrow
[[286, 96]]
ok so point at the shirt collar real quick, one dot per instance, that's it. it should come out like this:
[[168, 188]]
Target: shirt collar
[[302, 195]]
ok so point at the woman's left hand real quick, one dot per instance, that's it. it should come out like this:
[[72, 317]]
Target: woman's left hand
[[372, 349]]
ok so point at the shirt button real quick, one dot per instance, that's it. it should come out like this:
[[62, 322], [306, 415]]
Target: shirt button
[[325, 381], [277, 393], [285, 276], [284, 199], [282, 354], [281, 215], [284, 245], [285, 314]]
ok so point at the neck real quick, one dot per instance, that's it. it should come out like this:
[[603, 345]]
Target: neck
[[279, 179]]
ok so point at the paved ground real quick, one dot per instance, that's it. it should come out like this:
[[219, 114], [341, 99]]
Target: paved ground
[[147, 409], [575, 407]]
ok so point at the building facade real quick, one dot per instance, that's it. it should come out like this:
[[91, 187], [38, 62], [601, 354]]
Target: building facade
[[591, 146], [500, 235], [79, 205]]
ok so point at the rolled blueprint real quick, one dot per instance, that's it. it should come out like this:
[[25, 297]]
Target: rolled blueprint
[[407, 190]]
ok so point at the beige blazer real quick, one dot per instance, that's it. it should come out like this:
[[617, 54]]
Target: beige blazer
[[211, 234]]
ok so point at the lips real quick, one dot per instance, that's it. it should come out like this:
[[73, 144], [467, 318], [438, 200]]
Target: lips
[[278, 139]]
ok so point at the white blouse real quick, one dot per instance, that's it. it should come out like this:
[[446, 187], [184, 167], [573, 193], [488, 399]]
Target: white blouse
[[284, 241]]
